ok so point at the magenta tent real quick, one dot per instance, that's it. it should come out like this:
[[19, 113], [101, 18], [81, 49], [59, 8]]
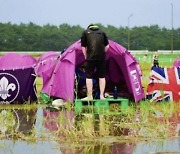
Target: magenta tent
[[47, 61], [17, 78], [14, 60], [122, 70], [177, 63]]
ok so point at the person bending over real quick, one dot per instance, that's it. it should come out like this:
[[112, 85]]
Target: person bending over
[[94, 43]]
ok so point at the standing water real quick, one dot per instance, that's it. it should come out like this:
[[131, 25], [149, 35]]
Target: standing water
[[43, 130]]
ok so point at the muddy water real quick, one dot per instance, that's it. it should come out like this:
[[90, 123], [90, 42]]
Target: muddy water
[[37, 131]]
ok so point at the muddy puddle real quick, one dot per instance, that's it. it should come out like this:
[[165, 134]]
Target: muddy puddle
[[45, 130]]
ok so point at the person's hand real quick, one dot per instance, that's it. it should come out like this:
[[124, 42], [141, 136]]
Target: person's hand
[[85, 57], [106, 48]]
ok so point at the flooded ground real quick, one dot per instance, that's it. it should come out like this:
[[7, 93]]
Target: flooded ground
[[47, 147], [45, 130]]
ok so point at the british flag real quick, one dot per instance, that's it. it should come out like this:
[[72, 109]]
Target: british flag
[[164, 84]]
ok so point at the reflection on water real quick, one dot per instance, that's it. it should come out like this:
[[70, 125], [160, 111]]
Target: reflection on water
[[58, 120], [170, 146], [21, 147], [100, 147], [47, 130], [14, 121]]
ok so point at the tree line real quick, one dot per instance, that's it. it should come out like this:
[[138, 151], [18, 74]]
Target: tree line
[[32, 37]]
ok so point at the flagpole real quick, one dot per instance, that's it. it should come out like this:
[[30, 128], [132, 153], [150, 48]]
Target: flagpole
[[129, 32], [172, 29]]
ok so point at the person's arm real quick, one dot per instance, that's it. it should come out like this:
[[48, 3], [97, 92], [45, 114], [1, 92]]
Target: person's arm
[[106, 42], [84, 44], [106, 47], [84, 51]]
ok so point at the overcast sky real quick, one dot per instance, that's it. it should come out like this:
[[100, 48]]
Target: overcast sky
[[83, 12]]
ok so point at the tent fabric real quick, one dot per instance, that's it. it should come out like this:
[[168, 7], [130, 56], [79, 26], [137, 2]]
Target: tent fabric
[[57, 83], [122, 69], [17, 80], [17, 86], [16, 61], [177, 63], [46, 61]]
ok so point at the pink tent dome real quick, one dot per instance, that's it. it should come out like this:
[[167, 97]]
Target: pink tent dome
[[16, 61], [177, 62], [46, 61], [122, 70]]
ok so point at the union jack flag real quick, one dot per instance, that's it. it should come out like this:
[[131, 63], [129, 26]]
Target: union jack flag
[[164, 84]]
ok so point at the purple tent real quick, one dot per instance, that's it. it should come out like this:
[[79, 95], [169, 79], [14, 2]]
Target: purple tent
[[46, 61], [122, 70], [177, 63], [17, 78], [14, 61]]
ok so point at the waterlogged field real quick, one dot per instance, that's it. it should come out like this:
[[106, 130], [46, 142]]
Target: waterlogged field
[[140, 128]]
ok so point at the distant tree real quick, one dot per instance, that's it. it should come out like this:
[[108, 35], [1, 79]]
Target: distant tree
[[32, 37]]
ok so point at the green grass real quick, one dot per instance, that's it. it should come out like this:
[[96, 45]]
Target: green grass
[[165, 60]]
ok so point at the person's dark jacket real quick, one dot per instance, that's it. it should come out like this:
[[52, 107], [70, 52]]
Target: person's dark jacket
[[95, 41]]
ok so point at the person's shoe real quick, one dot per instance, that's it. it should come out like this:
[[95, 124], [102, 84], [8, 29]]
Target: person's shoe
[[87, 98], [58, 102]]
